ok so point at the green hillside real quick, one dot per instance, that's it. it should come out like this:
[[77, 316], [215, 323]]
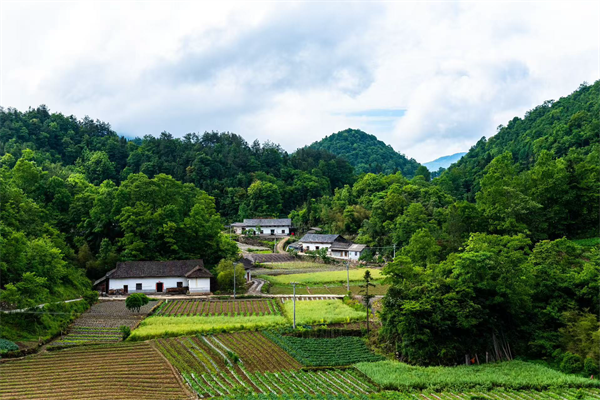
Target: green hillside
[[367, 153], [565, 128]]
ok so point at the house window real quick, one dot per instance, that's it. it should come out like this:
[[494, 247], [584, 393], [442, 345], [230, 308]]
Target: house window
[[316, 247], [138, 286], [283, 231], [179, 284]]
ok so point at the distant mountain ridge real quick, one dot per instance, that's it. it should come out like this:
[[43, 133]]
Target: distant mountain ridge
[[366, 153], [443, 162]]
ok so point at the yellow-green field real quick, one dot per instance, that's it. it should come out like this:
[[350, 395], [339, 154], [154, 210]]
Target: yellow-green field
[[160, 326], [322, 312], [339, 277]]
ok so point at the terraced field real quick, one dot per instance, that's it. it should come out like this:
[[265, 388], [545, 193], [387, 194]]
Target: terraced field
[[571, 394], [234, 364], [123, 371], [343, 350], [100, 324], [250, 307]]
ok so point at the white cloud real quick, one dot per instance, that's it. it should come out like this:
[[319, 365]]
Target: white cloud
[[295, 72]]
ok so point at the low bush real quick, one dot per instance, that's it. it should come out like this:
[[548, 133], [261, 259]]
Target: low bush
[[125, 331], [91, 297], [571, 363], [590, 367], [136, 301], [7, 345]]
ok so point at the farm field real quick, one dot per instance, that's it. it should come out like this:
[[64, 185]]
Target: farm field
[[565, 394], [379, 289], [100, 324], [516, 375], [159, 326], [124, 371], [322, 312], [317, 352], [210, 366], [250, 307], [340, 277]]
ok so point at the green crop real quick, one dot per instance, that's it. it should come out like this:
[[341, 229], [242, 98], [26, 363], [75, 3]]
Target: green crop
[[322, 312], [322, 277], [515, 375]]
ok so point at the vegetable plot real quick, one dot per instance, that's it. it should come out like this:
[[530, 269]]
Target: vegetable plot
[[123, 371], [516, 375], [211, 367], [343, 350], [231, 308], [322, 312]]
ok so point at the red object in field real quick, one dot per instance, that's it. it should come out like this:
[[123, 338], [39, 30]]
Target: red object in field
[[292, 233]]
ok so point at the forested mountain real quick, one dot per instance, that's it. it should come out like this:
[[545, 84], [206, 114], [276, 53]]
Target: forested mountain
[[567, 128], [443, 162], [366, 153]]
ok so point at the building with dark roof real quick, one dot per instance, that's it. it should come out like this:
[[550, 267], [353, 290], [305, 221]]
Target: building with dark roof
[[264, 226], [337, 246], [157, 277]]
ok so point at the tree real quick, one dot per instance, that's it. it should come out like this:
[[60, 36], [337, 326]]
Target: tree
[[366, 296], [225, 270], [135, 301], [264, 199]]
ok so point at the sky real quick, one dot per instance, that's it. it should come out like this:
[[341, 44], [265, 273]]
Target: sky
[[428, 78]]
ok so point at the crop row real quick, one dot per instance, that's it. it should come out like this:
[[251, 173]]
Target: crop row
[[496, 395], [211, 367], [120, 371], [343, 350], [230, 308]]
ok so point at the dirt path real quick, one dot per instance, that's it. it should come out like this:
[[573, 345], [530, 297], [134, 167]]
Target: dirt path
[[281, 245]]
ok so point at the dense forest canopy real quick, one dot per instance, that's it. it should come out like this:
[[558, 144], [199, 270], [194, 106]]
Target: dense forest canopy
[[484, 251], [366, 153]]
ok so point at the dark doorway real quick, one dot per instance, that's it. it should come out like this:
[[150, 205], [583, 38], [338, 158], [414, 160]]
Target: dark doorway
[[125, 289], [272, 231], [159, 286]]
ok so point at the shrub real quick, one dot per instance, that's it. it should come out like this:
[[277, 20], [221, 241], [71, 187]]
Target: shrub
[[590, 367], [91, 297], [7, 345], [125, 330], [571, 363], [136, 301]]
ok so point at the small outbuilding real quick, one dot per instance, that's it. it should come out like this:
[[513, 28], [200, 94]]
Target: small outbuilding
[[178, 276]]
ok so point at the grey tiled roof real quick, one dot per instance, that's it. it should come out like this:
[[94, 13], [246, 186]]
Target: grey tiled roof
[[318, 238], [179, 268], [265, 222], [269, 258]]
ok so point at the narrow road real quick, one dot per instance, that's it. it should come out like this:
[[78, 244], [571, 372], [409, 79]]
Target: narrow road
[[38, 306], [281, 245]]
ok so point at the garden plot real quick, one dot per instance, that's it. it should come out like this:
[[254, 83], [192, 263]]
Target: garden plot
[[100, 324], [339, 277], [211, 366], [123, 371], [232, 308], [317, 352], [571, 394], [322, 312]]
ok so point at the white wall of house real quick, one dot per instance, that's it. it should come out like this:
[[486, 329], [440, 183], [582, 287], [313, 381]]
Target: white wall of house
[[148, 284], [355, 255], [199, 285], [266, 230], [313, 246]]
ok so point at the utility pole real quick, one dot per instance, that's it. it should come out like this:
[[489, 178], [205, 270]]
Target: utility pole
[[234, 281], [274, 245], [294, 285], [394, 251], [347, 276]]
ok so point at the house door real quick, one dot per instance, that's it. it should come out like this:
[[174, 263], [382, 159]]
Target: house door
[[272, 231], [125, 289], [159, 287]]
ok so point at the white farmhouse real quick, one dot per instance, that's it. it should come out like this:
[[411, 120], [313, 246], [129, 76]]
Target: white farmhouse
[[157, 277], [264, 226], [337, 246]]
